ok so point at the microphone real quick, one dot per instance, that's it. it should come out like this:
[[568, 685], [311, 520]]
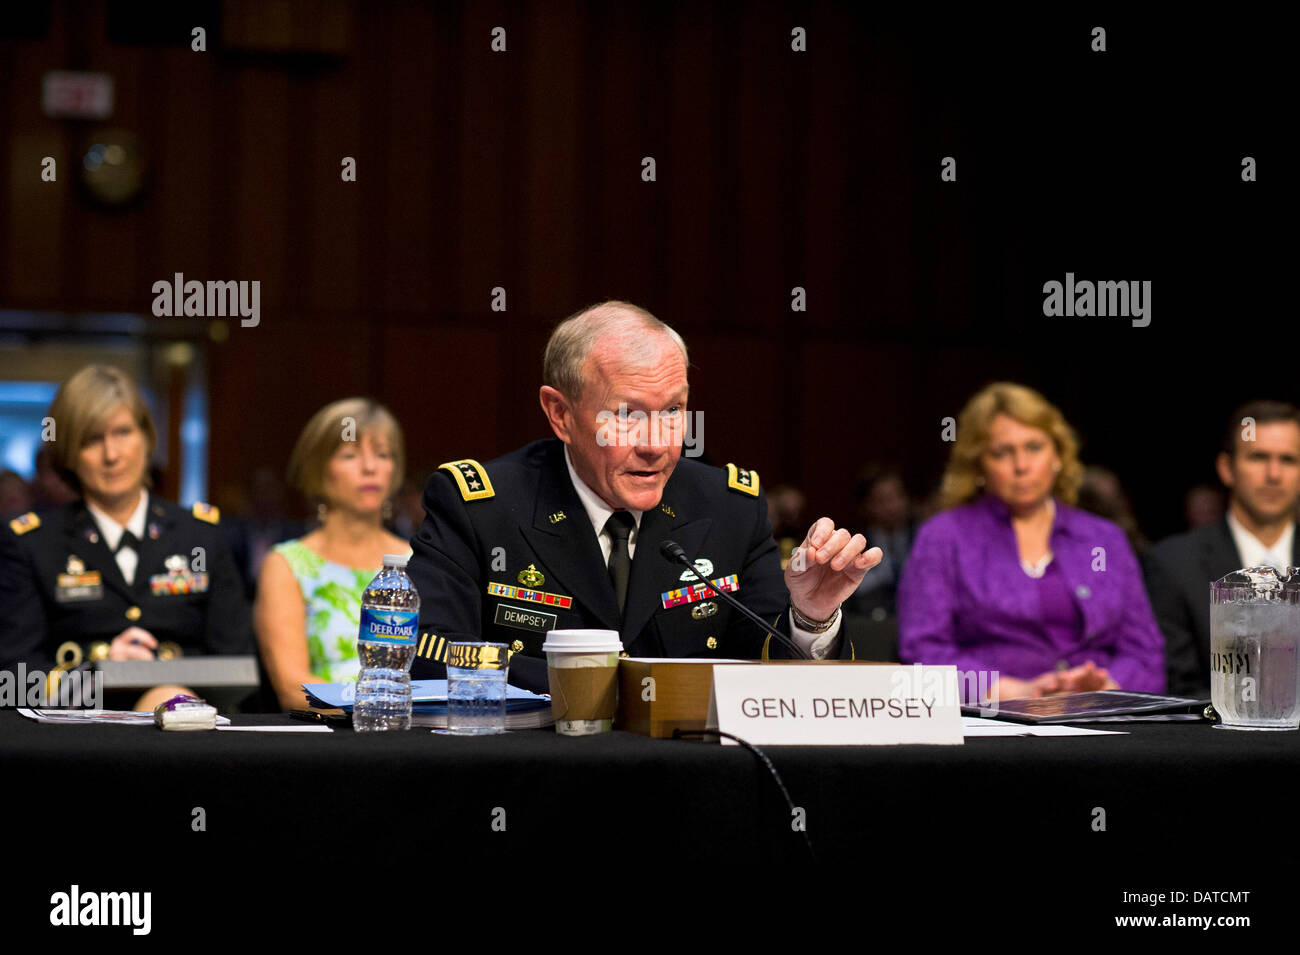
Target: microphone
[[675, 554]]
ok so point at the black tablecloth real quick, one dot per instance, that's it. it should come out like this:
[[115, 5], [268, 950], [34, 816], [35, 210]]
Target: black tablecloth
[[997, 828]]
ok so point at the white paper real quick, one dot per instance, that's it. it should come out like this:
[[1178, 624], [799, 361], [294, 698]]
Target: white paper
[[980, 726], [101, 717]]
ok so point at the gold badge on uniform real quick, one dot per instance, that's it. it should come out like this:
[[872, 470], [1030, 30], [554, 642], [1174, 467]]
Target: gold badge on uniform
[[76, 584], [531, 577], [556, 517], [711, 643], [703, 611]]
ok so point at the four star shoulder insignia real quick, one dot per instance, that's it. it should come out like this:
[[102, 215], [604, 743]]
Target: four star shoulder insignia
[[206, 512], [27, 522], [743, 480], [471, 478]]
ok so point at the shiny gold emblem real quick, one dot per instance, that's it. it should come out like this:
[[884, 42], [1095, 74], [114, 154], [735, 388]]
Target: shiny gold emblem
[[667, 509], [517, 646], [704, 610], [98, 651], [530, 576], [167, 650], [711, 643], [76, 566], [556, 517], [132, 613]]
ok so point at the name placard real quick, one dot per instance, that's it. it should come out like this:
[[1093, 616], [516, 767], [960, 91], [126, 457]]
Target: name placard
[[837, 705]]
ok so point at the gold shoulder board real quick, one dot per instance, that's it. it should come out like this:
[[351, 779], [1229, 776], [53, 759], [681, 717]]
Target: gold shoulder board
[[740, 479], [206, 512], [471, 478], [27, 522]]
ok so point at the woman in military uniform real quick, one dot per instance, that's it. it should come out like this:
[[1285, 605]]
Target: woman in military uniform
[[118, 574]]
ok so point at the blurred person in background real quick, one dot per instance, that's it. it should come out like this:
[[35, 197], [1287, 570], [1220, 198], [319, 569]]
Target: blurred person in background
[[1103, 495], [48, 488], [349, 462], [1259, 463], [261, 526], [15, 495], [1012, 578], [1204, 504], [116, 573], [886, 507], [408, 513], [785, 507]]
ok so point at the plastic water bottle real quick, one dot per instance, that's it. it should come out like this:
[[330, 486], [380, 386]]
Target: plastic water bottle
[[390, 610]]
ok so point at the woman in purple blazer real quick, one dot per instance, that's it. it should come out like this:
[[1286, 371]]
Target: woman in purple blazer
[[1024, 593]]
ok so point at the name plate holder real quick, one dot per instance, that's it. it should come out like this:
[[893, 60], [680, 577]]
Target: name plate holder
[[779, 705]]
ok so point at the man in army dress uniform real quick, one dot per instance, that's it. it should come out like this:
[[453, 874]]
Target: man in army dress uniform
[[565, 533]]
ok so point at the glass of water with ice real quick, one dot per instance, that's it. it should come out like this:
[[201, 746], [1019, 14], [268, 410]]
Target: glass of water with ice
[[1255, 649], [476, 688]]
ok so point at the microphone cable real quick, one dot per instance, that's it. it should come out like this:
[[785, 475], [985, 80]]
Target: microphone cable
[[762, 756]]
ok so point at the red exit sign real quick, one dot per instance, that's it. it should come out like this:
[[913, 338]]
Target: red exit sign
[[71, 95]]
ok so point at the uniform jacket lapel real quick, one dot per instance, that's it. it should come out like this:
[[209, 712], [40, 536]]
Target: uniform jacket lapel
[[651, 573], [153, 549], [1222, 553], [85, 540], [568, 547]]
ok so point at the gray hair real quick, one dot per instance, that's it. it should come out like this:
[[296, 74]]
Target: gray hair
[[574, 338]]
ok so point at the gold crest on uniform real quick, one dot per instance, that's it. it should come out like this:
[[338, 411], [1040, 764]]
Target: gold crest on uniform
[[743, 480], [531, 577], [471, 478]]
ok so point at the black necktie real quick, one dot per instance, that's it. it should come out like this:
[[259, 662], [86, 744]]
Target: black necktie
[[619, 526], [128, 540]]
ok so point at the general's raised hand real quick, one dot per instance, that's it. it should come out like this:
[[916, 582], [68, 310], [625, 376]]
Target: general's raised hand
[[827, 567]]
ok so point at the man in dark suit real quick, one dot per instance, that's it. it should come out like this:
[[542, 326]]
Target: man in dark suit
[[565, 533], [1260, 465]]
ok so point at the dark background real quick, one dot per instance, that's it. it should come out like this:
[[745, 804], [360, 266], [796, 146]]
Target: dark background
[[775, 169]]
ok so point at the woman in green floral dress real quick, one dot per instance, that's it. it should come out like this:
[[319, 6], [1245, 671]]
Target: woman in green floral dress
[[349, 460]]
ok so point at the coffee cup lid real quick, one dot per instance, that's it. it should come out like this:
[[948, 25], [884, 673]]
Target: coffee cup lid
[[582, 641]]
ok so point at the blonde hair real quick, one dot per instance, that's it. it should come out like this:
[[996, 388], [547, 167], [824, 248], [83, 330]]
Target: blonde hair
[[573, 339], [963, 478], [324, 433], [82, 403]]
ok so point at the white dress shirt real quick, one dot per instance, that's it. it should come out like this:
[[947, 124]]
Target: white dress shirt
[[127, 559], [1252, 551], [817, 645]]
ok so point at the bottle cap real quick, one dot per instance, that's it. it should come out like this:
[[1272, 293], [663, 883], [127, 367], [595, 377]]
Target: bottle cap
[[396, 560]]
